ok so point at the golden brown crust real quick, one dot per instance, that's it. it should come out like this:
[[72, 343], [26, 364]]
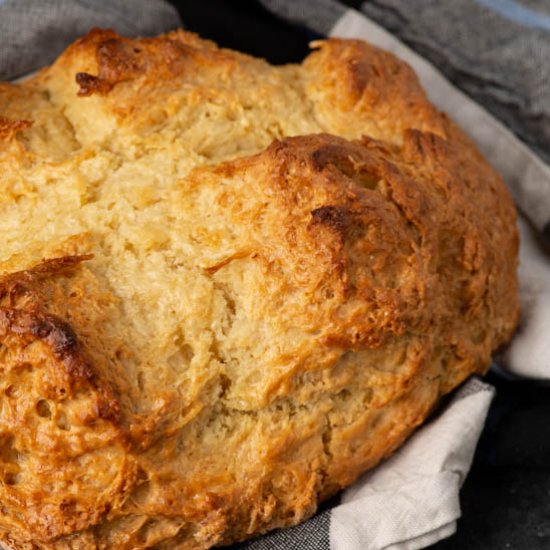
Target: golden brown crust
[[57, 409], [260, 281], [119, 59], [8, 128]]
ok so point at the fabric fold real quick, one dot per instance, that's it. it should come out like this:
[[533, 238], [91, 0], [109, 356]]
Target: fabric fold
[[411, 500]]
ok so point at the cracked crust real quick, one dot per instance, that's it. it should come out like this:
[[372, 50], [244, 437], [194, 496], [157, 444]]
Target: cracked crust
[[259, 281]]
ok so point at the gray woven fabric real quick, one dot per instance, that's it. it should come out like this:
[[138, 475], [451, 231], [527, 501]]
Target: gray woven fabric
[[492, 51], [34, 33], [311, 535]]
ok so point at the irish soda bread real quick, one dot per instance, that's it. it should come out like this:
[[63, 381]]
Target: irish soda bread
[[227, 289]]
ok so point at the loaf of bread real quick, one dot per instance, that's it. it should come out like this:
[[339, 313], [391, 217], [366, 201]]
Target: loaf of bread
[[228, 288]]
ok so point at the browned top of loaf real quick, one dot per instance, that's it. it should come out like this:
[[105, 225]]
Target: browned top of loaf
[[226, 288]]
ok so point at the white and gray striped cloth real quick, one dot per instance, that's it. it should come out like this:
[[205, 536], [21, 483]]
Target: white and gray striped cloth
[[411, 500]]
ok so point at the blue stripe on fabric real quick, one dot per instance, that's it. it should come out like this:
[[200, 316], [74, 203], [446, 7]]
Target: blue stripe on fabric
[[518, 13]]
